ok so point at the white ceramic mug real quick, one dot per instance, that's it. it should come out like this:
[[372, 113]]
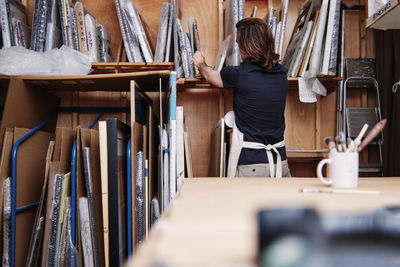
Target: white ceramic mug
[[342, 171]]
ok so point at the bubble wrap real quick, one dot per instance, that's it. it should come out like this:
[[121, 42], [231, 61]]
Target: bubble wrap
[[139, 207]]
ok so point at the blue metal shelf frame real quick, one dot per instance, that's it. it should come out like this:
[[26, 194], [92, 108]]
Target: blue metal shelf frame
[[129, 197], [14, 209]]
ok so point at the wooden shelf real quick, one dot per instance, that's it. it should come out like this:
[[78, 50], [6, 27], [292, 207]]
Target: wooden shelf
[[330, 83], [112, 76], [127, 67], [147, 81], [298, 155], [387, 17], [185, 83]]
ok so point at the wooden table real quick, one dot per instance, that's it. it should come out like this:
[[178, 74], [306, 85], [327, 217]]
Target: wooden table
[[213, 220]]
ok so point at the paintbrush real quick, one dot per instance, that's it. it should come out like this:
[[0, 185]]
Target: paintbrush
[[331, 144], [372, 134]]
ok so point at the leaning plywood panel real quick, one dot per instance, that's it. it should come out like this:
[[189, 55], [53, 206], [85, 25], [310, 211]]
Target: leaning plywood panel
[[217, 150], [30, 177], [104, 187], [162, 34], [38, 228], [180, 159]]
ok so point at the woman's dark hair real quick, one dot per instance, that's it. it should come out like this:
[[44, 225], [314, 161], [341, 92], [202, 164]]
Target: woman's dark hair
[[255, 39]]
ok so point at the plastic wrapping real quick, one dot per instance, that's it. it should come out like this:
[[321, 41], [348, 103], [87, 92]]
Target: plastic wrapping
[[177, 59], [154, 211], [190, 23], [6, 222], [74, 28], [139, 207], [189, 53], [194, 34], [86, 236], [284, 11], [159, 55], [61, 223], [186, 54], [34, 247], [234, 12], [41, 30], [63, 61], [54, 213], [69, 256], [141, 34], [315, 60], [91, 37], [124, 31], [87, 166], [104, 41], [133, 41], [169, 35], [53, 31], [221, 56], [68, 22], [333, 59]]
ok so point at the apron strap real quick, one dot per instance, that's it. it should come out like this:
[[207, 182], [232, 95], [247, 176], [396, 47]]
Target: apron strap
[[268, 149], [238, 143]]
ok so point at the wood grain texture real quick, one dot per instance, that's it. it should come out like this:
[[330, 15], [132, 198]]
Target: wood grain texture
[[262, 8], [300, 123], [201, 112], [303, 168], [327, 119], [206, 14]]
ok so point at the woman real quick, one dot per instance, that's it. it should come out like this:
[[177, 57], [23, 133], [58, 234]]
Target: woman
[[260, 86]]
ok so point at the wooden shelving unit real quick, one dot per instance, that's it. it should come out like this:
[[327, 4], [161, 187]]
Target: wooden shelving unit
[[147, 81], [298, 155], [330, 83], [306, 124], [387, 17], [127, 67]]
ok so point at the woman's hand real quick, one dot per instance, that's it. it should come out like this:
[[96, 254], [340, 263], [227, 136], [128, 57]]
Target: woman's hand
[[198, 59], [212, 76]]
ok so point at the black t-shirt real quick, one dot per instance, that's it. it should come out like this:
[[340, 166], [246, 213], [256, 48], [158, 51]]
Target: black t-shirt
[[259, 104]]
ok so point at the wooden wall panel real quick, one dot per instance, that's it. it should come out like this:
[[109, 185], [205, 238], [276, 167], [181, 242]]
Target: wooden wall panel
[[201, 112], [105, 13], [150, 12], [300, 122], [293, 13], [103, 99], [262, 8], [206, 14], [90, 99], [327, 119], [303, 168]]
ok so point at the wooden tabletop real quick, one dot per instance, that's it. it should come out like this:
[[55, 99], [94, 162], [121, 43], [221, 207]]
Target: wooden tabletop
[[213, 220]]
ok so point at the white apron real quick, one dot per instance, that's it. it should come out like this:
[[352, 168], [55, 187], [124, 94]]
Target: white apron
[[238, 143]]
